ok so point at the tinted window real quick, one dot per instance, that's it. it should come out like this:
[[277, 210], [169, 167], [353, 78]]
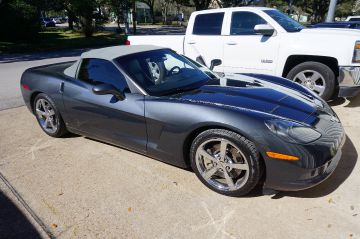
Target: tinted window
[[355, 19], [97, 71], [208, 24], [243, 23], [162, 72], [289, 24]]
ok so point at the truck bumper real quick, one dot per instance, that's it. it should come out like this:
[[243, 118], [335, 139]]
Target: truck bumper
[[349, 81]]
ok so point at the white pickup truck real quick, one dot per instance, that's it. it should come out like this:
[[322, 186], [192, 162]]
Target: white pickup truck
[[266, 41]]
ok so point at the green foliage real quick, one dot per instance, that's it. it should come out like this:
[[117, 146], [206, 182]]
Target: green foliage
[[18, 20]]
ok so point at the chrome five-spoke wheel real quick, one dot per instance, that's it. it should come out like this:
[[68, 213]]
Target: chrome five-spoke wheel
[[226, 162], [46, 116], [222, 164]]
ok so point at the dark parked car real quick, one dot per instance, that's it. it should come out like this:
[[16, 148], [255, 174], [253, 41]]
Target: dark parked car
[[351, 25], [232, 131], [47, 22]]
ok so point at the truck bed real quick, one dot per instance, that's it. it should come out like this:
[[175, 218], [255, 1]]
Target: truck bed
[[175, 42]]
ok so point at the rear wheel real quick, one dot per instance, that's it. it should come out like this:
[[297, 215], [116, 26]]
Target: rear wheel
[[315, 76], [48, 116], [225, 162]]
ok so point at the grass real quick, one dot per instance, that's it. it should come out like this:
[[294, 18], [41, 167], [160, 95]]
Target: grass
[[53, 39]]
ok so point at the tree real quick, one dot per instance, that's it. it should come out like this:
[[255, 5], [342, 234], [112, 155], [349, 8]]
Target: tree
[[201, 4], [121, 9], [19, 19], [151, 4], [85, 9]]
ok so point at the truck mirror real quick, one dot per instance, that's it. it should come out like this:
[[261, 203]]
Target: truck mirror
[[264, 29]]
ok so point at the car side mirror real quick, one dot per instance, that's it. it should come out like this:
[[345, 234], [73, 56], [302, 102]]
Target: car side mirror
[[264, 29], [107, 89], [215, 62]]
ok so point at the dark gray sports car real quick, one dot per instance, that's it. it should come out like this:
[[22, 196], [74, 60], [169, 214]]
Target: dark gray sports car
[[233, 131]]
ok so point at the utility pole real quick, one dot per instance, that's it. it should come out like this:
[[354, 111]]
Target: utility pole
[[331, 14]]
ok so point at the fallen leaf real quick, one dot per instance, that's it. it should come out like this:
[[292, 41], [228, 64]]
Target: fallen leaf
[[129, 209], [54, 225], [354, 215], [330, 200]]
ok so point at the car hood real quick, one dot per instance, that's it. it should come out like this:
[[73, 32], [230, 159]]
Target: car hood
[[331, 31], [250, 93]]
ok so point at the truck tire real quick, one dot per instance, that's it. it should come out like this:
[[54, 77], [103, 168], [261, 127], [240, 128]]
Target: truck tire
[[316, 76]]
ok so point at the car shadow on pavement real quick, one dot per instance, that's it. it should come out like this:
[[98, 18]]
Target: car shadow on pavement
[[353, 102], [341, 173], [11, 58], [13, 223]]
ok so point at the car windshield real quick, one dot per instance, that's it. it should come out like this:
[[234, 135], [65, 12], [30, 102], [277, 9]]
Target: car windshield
[[289, 24], [162, 72]]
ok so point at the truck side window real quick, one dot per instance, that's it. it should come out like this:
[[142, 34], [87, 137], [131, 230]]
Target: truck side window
[[243, 23], [208, 24], [97, 71]]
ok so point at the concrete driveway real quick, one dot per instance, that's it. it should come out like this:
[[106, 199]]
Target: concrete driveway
[[76, 187]]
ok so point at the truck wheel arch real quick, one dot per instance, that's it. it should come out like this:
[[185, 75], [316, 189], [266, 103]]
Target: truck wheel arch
[[295, 60]]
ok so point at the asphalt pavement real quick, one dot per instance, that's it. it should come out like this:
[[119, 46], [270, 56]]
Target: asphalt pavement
[[12, 66]]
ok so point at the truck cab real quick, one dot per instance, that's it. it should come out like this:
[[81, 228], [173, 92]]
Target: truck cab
[[266, 41]]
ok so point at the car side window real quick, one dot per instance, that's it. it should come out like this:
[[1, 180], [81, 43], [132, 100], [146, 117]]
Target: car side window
[[98, 71], [208, 24], [243, 23]]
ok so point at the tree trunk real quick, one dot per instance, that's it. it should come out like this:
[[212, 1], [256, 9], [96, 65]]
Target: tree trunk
[[71, 19], [134, 17], [152, 14]]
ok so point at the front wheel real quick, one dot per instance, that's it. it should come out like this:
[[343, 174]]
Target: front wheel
[[315, 76], [225, 162]]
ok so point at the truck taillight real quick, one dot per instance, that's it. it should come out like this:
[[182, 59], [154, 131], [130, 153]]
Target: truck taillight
[[127, 42]]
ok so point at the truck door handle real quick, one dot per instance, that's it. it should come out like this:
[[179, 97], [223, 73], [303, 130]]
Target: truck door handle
[[231, 43], [191, 43]]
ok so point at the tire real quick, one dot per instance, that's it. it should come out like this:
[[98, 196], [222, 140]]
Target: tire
[[44, 107], [327, 76], [244, 179]]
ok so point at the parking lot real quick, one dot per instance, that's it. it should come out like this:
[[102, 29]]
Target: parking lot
[[76, 187]]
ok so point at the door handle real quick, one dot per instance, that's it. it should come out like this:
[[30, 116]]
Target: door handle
[[191, 42], [61, 88], [231, 43]]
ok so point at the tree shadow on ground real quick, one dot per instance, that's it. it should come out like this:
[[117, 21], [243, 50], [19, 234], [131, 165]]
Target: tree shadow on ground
[[341, 173], [13, 223], [11, 58]]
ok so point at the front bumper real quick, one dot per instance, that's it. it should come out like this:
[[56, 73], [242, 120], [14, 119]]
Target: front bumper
[[318, 159], [349, 81]]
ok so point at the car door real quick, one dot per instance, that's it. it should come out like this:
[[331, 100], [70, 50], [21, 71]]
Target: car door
[[104, 116], [245, 51], [203, 42]]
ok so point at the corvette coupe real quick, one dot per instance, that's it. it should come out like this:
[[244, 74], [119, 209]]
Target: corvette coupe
[[233, 131]]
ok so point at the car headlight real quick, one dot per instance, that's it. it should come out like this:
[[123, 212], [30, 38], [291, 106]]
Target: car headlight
[[356, 56], [292, 132]]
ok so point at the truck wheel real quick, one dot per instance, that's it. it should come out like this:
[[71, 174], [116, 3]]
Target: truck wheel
[[316, 76]]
